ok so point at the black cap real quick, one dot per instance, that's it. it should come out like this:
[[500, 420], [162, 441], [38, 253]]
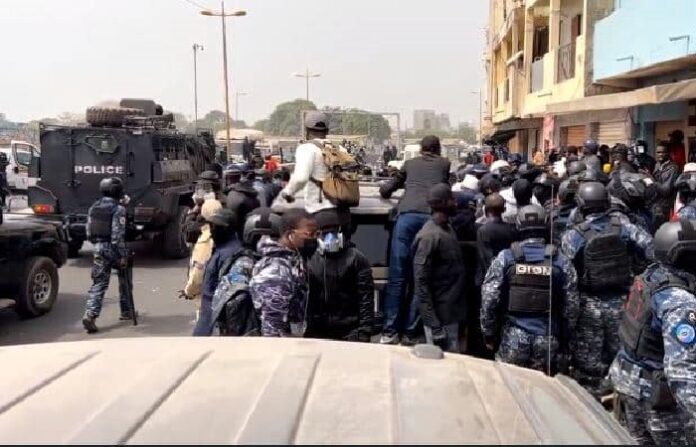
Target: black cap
[[224, 218]]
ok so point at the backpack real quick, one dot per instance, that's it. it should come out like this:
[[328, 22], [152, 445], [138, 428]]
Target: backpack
[[341, 185], [238, 316], [606, 262]]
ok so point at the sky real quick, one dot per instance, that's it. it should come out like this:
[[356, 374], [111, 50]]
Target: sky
[[379, 55]]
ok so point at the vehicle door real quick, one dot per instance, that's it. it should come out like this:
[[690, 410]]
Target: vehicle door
[[20, 162]]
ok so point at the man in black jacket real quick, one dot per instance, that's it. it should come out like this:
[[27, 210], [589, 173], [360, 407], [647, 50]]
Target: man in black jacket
[[439, 274], [665, 176], [341, 289], [417, 176], [493, 236]]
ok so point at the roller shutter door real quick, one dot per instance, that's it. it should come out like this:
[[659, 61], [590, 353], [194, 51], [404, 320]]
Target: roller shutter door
[[612, 132], [575, 136]]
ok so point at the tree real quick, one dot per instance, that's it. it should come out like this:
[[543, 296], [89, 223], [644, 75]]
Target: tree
[[215, 120], [285, 119], [464, 132], [261, 125]]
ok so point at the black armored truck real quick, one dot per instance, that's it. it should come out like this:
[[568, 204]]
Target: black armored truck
[[136, 142]]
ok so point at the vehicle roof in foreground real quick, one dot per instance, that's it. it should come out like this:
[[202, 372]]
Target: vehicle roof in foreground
[[263, 390]]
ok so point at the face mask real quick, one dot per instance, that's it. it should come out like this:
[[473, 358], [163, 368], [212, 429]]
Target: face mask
[[125, 200], [330, 243], [308, 248]]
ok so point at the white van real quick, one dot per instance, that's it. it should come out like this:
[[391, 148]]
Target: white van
[[409, 152], [19, 154]]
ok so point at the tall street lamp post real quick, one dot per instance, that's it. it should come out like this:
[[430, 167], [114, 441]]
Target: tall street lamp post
[[223, 16], [307, 75], [196, 48]]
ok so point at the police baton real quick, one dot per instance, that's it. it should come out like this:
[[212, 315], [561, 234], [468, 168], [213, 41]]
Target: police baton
[[128, 279]]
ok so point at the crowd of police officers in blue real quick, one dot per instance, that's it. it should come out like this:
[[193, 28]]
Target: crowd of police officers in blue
[[586, 273]]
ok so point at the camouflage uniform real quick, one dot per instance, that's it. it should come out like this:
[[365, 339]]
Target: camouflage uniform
[[525, 340], [671, 308], [279, 290], [596, 337], [106, 257], [687, 211]]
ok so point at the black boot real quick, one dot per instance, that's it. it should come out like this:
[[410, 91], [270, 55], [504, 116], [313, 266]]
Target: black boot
[[90, 324]]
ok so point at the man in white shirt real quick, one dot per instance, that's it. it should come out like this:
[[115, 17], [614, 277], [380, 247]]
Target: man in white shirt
[[310, 171]]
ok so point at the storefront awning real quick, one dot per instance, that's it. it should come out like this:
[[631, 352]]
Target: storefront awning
[[656, 94]]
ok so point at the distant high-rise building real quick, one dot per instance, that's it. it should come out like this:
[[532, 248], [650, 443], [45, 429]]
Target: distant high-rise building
[[424, 120], [443, 122]]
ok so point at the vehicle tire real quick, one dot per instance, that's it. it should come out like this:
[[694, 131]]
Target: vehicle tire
[[173, 239], [74, 248], [39, 287], [110, 116]]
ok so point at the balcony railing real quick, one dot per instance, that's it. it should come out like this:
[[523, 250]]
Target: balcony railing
[[537, 81], [566, 62]]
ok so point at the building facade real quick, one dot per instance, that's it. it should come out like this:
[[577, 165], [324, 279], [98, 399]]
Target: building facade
[[563, 71]]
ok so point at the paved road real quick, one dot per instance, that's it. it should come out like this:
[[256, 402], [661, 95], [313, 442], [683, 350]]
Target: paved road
[[155, 285]]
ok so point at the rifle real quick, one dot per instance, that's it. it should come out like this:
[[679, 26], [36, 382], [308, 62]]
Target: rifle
[[127, 274]]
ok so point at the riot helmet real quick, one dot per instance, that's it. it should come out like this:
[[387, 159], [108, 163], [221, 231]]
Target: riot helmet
[[545, 186], [576, 167], [261, 222], [532, 222], [567, 190], [592, 197], [528, 172], [629, 188], [111, 187], [590, 175], [675, 244]]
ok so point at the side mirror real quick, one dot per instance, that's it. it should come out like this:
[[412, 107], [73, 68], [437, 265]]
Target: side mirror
[[16, 169]]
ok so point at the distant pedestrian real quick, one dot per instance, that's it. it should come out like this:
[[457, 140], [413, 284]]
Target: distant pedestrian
[[493, 236]]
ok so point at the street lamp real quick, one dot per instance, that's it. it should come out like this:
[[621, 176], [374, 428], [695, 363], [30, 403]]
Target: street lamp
[[224, 15], [480, 95], [236, 104], [196, 48], [307, 75]]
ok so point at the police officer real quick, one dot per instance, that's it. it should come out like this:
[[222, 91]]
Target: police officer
[[545, 188], [575, 168], [654, 373], [566, 204], [600, 248], [526, 284], [628, 196], [686, 187], [106, 229]]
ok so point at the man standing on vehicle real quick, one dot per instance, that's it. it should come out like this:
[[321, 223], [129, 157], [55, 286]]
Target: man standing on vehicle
[[310, 171], [106, 229], [417, 176]]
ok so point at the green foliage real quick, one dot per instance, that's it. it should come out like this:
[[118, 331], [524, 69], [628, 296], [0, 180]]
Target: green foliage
[[358, 123], [285, 119], [214, 120], [464, 132]]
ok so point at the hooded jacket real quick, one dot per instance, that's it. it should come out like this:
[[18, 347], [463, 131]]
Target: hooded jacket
[[341, 298], [279, 289]]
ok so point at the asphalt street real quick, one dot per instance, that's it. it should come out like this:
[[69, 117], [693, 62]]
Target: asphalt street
[[155, 285]]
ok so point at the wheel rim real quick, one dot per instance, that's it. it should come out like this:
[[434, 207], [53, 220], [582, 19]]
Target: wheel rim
[[182, 225], [42, 286]]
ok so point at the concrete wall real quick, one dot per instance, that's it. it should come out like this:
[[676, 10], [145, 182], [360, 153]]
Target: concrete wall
[[641, 30]]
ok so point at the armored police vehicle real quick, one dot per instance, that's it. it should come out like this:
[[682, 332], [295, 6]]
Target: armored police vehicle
[[31, 251], [136, 142]]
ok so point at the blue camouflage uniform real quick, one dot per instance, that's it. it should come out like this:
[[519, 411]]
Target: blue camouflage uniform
[[279, 290], [107, 253], [673, 316], [525, 338], [688, 211], [596, 337]]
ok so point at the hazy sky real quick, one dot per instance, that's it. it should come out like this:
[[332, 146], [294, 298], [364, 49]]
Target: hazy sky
[[381, 55]]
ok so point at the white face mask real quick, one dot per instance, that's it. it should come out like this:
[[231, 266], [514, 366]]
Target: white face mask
[[125, 200], [330, 243]]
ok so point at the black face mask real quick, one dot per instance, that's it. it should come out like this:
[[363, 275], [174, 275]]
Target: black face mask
[[307, 250]]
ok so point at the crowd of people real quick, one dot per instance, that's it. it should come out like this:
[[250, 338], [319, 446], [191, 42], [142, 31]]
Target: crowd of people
[[589, 272]]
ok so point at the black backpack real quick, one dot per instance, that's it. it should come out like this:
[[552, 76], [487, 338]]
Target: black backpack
[[238, 316], [605, 261]]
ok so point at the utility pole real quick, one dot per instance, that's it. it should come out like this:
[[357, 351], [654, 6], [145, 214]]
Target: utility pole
[[223, 16], [306, 75], [196, 47]]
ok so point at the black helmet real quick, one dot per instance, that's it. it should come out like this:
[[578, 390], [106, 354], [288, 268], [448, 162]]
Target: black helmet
[[261, 222], [576, 167], [111, 187], [675, 244], [224, 218], [591, 175], [528, 172], [567, 190], [316, 121], [686, 183], [592, 197], [531, 218]]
